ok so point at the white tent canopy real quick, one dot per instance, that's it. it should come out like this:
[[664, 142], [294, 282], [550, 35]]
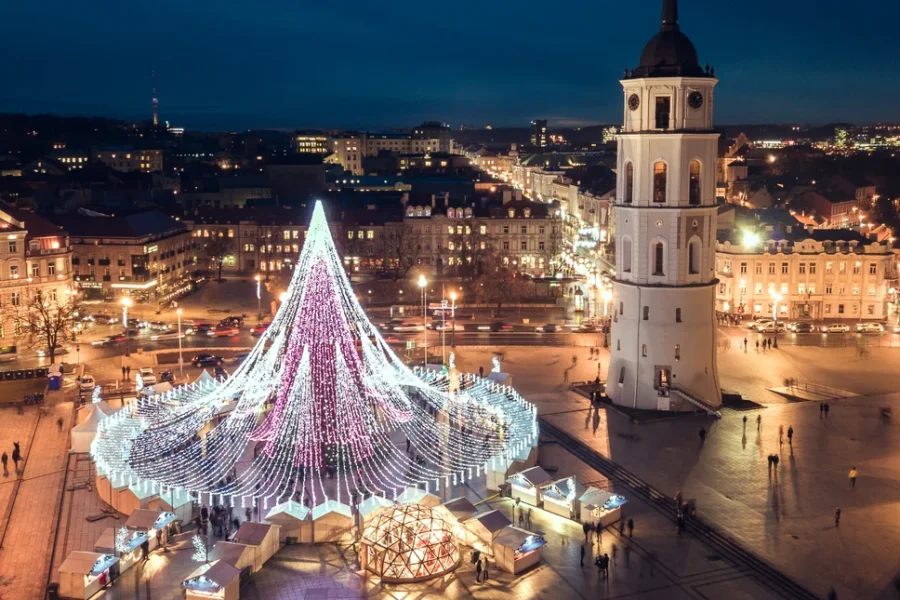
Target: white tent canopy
[[84, 433]]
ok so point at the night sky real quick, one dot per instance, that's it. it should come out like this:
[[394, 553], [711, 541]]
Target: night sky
[[235, 64]]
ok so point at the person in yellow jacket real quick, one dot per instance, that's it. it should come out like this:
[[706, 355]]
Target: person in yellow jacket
[[852, 476]]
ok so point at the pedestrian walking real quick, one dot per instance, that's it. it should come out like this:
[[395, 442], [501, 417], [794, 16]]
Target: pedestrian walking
[[702, 435], [791, 435], [481, 372], [566, 376], [758, 422], [775, 460], [59, 423], [630, 527], [16, 458], [586, 528], [757, 345], [745, 345], [780, 434], [128, 372], [771, 463], [837, 516], [853, 474], [123, 372], [407, 445], [598, 530], [621, 528], [627, 555], [478, 569], [484, 571], [615, 550], [826, 410], [606, 565], [582, 555], [821, 409], [745, 421], [4, 459]]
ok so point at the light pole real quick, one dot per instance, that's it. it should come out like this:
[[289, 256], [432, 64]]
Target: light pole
[[453, 319], [423, 283], [776, 298], [180, 357], [258, 300], [126, 302]]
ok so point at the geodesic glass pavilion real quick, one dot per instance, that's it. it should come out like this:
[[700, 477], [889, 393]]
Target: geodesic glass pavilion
[[409, 542]]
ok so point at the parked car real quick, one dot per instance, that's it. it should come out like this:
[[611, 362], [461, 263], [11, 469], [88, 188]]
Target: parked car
[[802, 327], [226, 331], [771, 327], [836, 328], [104, 319], [259, 329], [232, 320], [389, 325], [199, 329], [441, 325], [756, 323], [500, 326], [548, 328], [168, 376], [206, 360], [869, 327], [159, 326], [407, 327], [60, 350], [86, 384], [147, 376]]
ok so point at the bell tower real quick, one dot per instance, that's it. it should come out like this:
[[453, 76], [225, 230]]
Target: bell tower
[[663, 338]]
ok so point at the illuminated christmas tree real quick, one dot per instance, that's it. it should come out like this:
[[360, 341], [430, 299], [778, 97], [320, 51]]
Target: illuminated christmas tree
[[321, 408]]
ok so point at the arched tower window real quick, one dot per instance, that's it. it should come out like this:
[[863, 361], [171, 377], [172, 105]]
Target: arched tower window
[[694, 257], [694, 191], [659, 255], [626, 255], [660, 172], [629, 182]]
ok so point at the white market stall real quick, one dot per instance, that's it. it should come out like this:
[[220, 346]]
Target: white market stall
[[83, 574], [600, 506], [528, 485], [332, 522], [456, 512], [484, 528], [263, 536], [129, 551], [370, 508], [175, 501], [562, 497], [218, 580], [149, 522], [293, 519], [520, 459], [516, 550], [238, 556], [84, 433]]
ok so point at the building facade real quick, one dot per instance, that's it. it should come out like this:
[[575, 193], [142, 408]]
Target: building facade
[[310, 142], [807, 275], [129, 160], [539, 137], [663, 338], [35, 261]]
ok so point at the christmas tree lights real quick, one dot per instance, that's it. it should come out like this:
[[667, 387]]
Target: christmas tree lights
[[321, 409]]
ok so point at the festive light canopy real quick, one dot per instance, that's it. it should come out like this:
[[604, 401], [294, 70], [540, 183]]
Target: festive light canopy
[[321, 409], [409, 542]]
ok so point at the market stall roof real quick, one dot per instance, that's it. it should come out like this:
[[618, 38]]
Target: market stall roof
[[414, 495], [493, 521], [175, 497], [140, 493], [600, 498], [227, 552], [205, 378], [80, 562], [219, 572], [331, 506], [288, 510], [565, 487], [461, 508], [536, 476], [143, 519], [251, 533], [103, 406], [372, 503], [513, 537], [92, 423]]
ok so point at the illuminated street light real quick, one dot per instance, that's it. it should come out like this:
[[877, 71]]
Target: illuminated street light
[[423, 283], [751, 239], [776, 298]]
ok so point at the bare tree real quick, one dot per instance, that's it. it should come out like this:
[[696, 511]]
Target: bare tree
[[552, 249], [499, 286], [400, 248], [48, 322], [217, 248], [470, 246]]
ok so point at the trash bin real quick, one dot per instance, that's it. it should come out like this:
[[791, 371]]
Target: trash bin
[[53, 591], [54, 383]]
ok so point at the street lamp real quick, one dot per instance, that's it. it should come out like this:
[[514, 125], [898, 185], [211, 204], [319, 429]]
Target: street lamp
[[453, 319], [423, 283], [126, 302], [180, 357], [776, 298], [607, 296], [258, 300]]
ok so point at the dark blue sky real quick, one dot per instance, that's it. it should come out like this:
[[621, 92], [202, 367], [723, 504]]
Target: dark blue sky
[[356, 63]]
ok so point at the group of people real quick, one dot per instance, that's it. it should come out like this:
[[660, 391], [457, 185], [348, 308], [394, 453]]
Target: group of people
[[222, 521], [481, 566], [16, 457]]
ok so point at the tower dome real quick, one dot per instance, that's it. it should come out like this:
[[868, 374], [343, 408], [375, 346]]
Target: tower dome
[[670, 53]]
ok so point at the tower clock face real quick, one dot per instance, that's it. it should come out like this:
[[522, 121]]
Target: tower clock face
[[634, 101], [695, 100]]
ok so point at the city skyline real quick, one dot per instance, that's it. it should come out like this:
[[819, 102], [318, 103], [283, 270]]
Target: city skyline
[[284, 67]]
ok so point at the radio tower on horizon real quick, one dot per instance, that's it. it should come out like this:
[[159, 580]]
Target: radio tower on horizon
[[155, 102]]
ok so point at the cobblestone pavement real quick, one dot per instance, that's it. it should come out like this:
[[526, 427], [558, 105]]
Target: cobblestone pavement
[[27, 546]]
